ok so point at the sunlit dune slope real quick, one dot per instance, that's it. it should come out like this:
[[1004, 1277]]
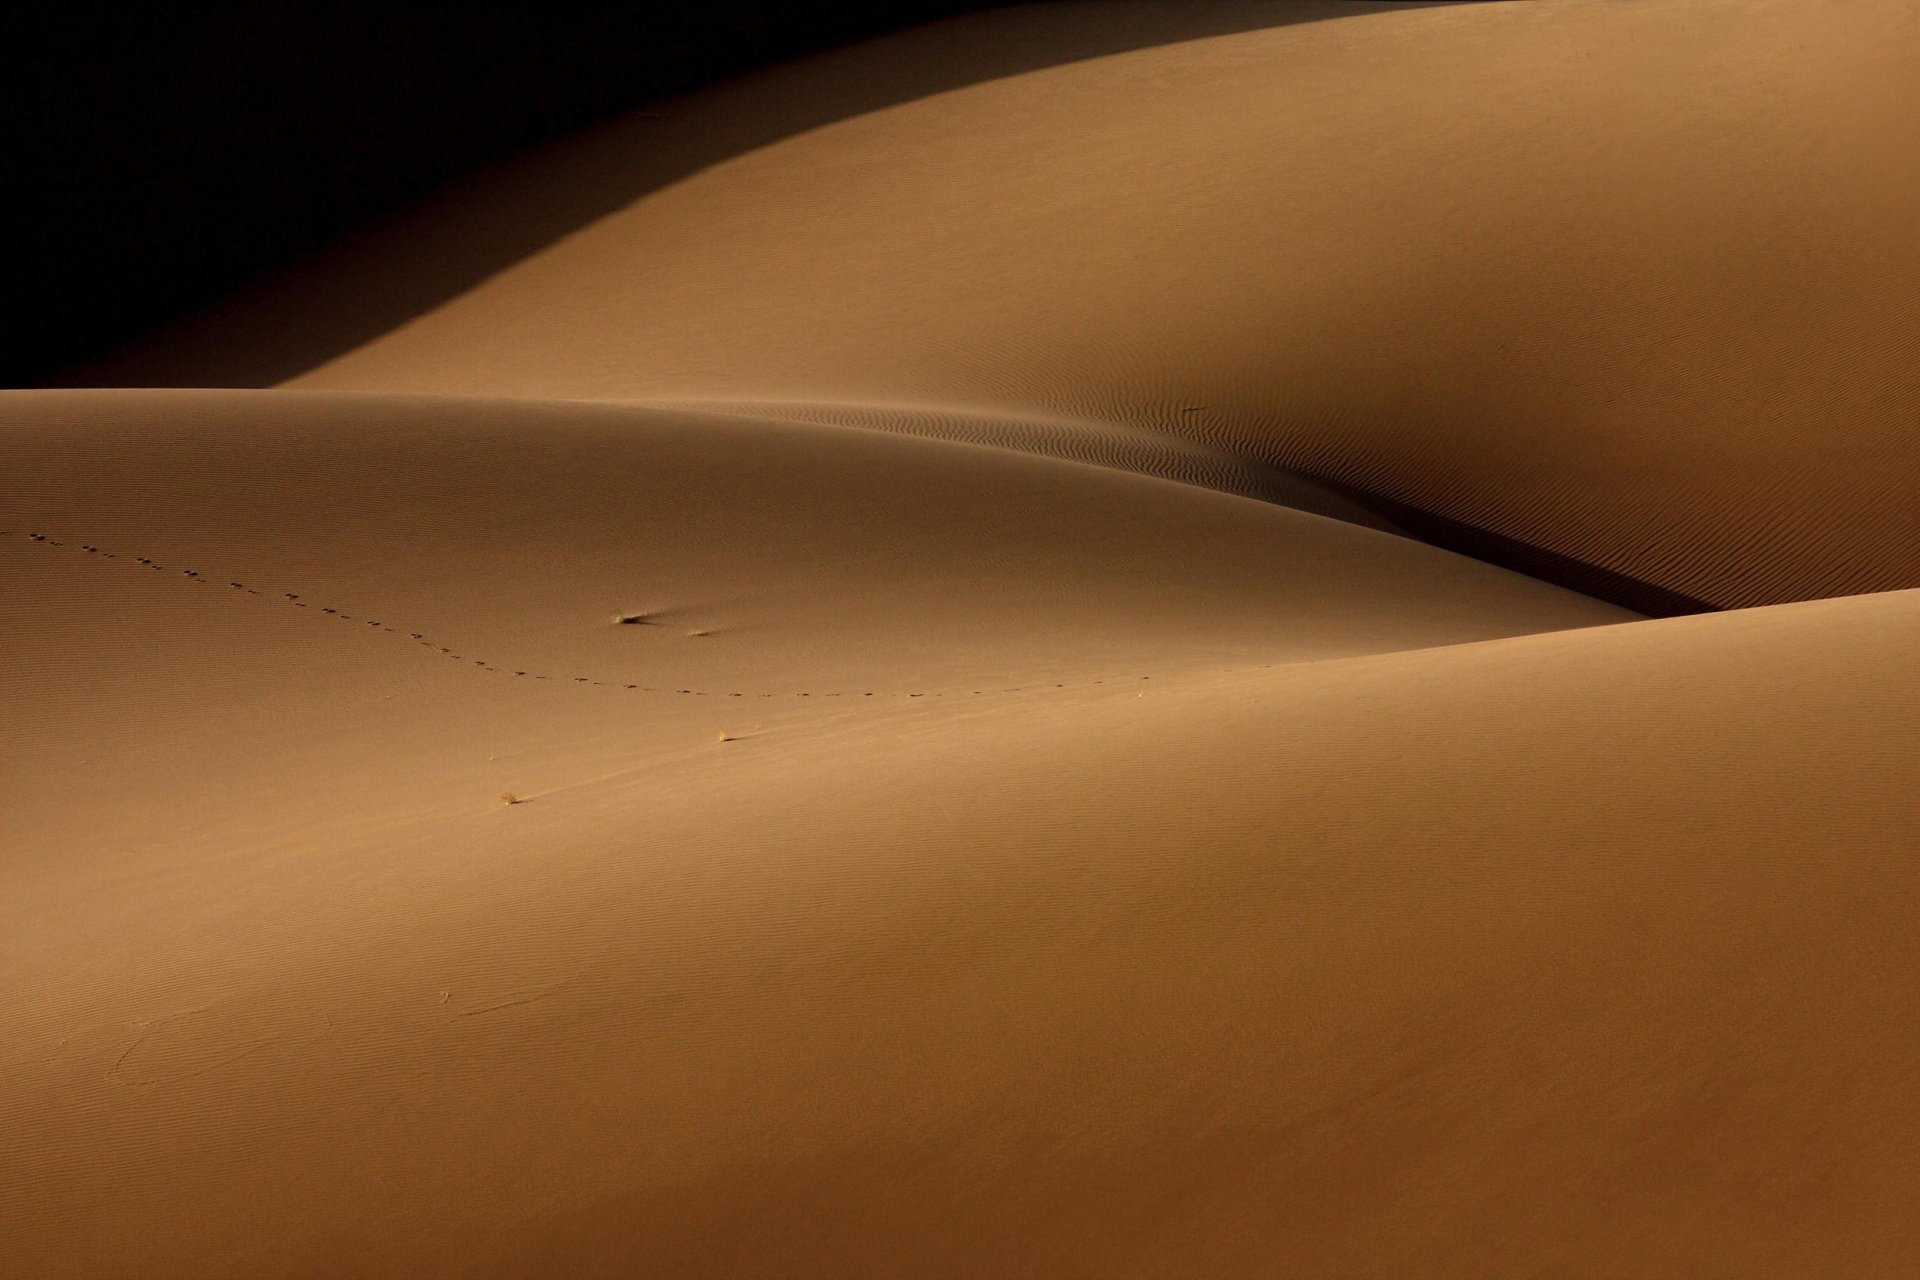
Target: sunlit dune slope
[[843, 717], [322, 604], [1635, 283], [1590, 951], [798, 556], [274, 657]]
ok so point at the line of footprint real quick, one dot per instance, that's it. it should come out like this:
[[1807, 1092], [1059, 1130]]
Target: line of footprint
[[294, 599]]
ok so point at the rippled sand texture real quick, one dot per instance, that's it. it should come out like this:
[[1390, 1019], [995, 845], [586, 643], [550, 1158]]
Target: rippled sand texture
[[883, 703]]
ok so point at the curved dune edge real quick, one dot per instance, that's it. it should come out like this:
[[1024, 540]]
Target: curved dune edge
[[818, 725], [1101, 444], [235, 614], [1170, 456], [1454, 258], [515, 532], [1373, 966]]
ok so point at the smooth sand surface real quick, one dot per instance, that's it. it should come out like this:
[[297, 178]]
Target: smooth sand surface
[[847, 719], [1637, 283]]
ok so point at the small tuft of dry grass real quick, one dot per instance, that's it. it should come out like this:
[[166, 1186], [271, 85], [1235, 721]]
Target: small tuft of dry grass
[[507, 797]]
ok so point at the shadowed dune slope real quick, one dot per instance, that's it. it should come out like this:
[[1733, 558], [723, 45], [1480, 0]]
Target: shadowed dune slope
[[259, 154], [1635, 284]]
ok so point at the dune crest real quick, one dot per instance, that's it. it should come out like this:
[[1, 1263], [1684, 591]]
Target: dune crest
[[899, 703], [1457, 257]]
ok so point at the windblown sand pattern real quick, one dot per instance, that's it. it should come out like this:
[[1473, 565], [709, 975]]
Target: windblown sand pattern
[[1069, 663]]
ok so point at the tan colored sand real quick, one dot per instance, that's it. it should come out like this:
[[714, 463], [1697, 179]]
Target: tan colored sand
[[1634, 282], [1351, 964], [1001, 843], [276, 577]]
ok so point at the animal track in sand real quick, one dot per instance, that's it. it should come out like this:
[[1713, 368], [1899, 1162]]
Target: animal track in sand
[[420, 639]]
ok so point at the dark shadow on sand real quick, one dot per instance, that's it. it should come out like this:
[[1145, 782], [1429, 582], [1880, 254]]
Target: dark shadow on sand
[[298, 318]]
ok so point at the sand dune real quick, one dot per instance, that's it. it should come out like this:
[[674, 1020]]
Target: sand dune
[[334, 553], [1463, 257], [873, 710], [1555, 950]]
